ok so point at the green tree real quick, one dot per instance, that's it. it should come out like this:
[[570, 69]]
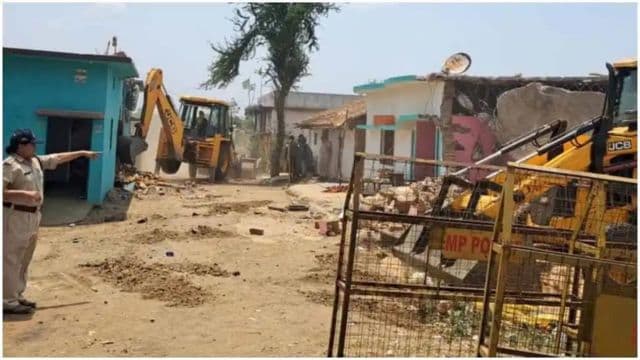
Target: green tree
[[288, 32]]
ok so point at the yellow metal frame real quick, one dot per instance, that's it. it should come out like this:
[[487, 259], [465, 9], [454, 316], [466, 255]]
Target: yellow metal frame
[[601, 332]]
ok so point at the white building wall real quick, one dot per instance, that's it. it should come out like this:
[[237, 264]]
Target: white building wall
[[348, 152], [338, 169], [416, 97], [334, 138], [308, 100], [315, 147], [291, 119], [372, 144]]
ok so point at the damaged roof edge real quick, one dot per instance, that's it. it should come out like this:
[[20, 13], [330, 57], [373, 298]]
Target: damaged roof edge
[[364, 88]]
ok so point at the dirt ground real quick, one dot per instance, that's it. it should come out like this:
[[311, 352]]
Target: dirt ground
[[182, 276]]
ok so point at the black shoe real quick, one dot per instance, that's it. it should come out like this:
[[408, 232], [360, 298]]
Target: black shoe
[[28, 303], [17, 309]]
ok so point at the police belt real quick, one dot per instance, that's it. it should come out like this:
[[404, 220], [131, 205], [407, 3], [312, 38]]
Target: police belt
[[30, 209]]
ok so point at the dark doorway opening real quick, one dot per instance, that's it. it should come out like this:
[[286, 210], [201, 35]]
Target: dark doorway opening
[[68, 135]]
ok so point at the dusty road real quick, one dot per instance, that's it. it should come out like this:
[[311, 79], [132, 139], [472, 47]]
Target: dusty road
[[110, 289]]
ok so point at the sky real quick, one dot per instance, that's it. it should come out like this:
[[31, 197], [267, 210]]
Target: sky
[[359, 44]]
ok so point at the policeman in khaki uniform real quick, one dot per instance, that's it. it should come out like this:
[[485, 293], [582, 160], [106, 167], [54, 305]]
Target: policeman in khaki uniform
[[22, 191]]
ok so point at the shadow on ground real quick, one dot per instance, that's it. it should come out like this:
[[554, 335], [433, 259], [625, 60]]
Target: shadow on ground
[[114, 209]]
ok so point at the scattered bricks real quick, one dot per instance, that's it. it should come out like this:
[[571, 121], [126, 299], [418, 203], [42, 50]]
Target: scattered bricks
[[254, 231], [336, 188], [328, 227]]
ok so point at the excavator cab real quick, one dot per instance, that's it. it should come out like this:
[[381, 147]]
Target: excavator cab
[[615, 146], [198, 132], [207, 135], [206, 138], [204, 118]]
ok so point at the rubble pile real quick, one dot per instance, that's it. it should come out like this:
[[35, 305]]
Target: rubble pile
[[415, 199], [145, 182], [336, 188]]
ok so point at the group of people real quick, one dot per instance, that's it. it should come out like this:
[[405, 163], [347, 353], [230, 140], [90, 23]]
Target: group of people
[[300, 163]]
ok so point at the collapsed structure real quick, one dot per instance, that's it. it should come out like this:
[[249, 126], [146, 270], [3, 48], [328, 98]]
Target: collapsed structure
[[537, 258]]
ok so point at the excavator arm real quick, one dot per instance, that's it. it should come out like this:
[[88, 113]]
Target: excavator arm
[[155, 96]]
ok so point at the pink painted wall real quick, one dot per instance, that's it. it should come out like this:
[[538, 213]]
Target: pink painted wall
[[474, 140]]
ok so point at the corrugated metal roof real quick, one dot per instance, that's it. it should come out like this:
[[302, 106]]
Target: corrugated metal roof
[[336, 117]]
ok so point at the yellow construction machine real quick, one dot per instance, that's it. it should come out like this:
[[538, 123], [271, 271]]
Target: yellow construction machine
[[606, 144], [198, 133]]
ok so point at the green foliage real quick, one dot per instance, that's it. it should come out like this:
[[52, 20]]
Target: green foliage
[[288, 32]]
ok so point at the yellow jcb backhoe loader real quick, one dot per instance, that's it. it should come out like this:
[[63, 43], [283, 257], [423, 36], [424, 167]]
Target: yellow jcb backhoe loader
[[198, 133]]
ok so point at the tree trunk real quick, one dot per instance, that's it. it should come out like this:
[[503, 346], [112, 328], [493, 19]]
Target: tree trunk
[[280, 97]]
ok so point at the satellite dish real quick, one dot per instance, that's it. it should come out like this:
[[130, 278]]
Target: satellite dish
[[456, 64]]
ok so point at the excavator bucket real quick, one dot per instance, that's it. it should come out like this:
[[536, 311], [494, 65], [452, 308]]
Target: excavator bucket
[[129, 147], [169, 166]]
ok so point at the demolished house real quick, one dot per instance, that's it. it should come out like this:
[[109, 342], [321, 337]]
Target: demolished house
[[451, 118], [465, 118]]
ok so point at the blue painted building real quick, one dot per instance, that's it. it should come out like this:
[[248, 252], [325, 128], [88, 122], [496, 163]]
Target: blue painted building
[[71, 102]]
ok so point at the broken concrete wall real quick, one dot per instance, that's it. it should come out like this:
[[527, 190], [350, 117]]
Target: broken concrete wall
[[474, 139], [525, 108]]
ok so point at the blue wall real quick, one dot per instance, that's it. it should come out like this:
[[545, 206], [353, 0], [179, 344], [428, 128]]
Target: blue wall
[[31, 83], [113, 97]]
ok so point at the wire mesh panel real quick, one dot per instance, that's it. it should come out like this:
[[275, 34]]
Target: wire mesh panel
[[406, 286], [580, 230], [413, 324], [438, 259], [557, 323]]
